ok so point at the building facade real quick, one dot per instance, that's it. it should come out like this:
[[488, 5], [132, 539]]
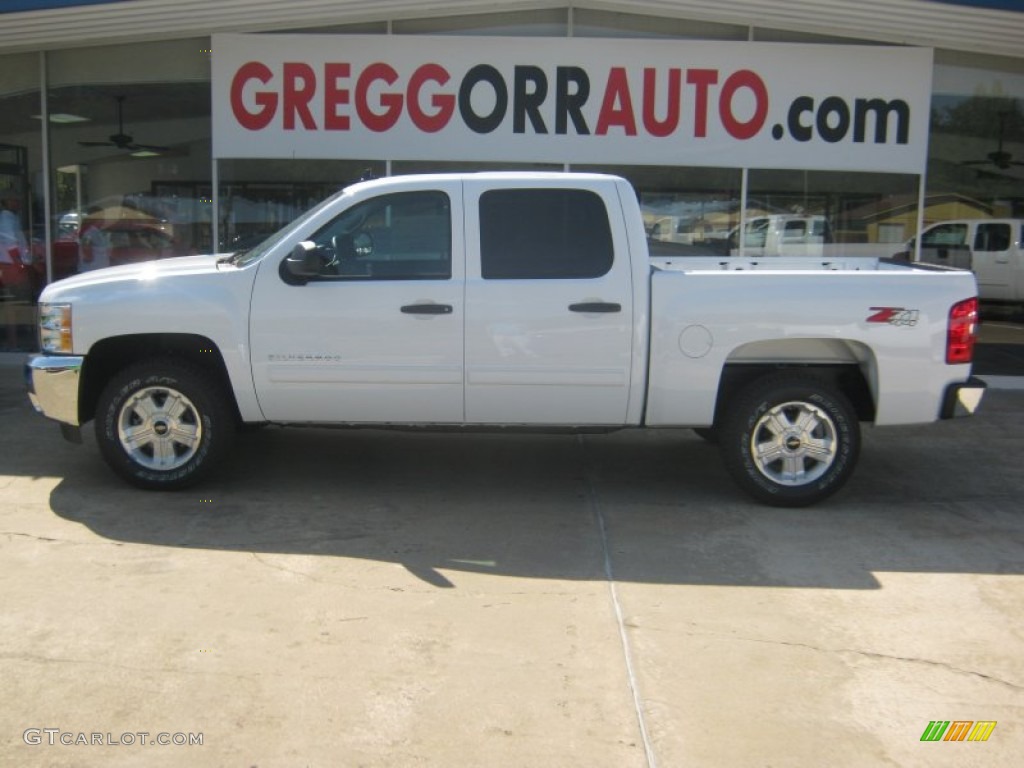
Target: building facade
[[145, 129]]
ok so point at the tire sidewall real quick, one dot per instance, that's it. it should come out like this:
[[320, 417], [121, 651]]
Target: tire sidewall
[[210, 409], [762, 397]]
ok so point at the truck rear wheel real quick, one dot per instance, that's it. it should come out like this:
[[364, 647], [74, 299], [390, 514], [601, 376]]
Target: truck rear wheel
[[790, 440], [163, 424]]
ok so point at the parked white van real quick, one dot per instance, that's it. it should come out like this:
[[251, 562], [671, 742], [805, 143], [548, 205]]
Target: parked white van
[[991, 248]]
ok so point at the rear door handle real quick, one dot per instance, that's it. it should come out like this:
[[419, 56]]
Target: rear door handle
[[427, 309], [595, 306]]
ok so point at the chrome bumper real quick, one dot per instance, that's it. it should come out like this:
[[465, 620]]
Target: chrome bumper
[[963, 399], [52, 383]]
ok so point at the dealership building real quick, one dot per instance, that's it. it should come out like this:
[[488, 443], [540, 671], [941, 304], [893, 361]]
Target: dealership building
[[143, 129]]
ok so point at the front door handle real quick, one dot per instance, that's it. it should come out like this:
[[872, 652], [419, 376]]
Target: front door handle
[[595, 306], [427, 309]]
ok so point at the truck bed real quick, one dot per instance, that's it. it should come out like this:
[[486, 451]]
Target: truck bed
[[785, 264]]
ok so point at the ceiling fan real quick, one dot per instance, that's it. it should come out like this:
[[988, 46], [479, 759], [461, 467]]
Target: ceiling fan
[[1001, 159], [122, 140]]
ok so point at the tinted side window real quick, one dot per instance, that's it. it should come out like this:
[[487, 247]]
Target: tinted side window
[[992, 237], [795, 230], [403, 236], [544, 234]]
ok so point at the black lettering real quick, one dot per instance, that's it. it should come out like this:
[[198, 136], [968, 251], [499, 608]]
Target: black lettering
[[483, 73], [881, 110], [800, 106], [833, 105], [569, 105], [527, 102]]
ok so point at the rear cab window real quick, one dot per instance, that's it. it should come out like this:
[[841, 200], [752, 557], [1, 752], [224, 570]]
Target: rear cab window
[[993, 237], [544, 234]]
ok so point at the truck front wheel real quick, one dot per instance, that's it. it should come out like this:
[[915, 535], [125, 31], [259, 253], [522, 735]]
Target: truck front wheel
[[162, 424], [790, 440]]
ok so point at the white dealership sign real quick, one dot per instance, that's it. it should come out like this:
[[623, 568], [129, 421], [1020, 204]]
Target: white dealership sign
[[572, 100]]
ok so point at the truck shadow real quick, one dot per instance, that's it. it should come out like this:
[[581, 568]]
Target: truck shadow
[[944, 498]]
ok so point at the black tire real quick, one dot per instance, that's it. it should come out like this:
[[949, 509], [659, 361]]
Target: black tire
[[163, 424], [809, 438]]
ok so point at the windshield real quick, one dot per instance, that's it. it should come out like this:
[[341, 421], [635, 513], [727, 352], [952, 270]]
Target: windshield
[[254, 254]]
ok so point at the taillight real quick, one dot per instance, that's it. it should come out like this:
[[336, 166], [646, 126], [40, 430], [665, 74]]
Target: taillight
[[963, 332]]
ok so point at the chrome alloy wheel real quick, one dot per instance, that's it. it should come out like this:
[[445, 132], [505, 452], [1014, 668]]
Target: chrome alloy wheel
[[159, 428], [794, 443]]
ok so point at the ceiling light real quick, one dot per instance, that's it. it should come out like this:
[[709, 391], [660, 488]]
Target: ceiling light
[[63, 118]]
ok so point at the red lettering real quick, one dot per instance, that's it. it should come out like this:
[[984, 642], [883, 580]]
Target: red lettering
[[392, 102], [335, 97], [883, 314], [617, 107], [299, 89], [703, 79], [266, 100], [443, 103], [744, 78], [654, 126]]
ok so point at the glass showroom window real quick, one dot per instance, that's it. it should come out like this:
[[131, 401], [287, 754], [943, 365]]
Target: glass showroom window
[[821, 213], [687, 211], [977, 138], [22, 228], [130, 152], [258, 197]]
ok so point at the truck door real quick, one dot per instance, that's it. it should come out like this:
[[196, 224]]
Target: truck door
[[376, 336], [993, 265], [549, 305]]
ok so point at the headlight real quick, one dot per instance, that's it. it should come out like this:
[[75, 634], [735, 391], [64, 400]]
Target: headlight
[[55, 328]]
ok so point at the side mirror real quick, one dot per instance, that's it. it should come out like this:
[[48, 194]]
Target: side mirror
[[301, 264]]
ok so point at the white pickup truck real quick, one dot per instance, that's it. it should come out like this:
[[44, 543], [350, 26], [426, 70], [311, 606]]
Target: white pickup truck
[[991, 248], [503, 300]]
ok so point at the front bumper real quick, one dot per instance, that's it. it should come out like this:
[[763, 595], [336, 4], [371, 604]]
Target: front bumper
[[52, 382], [963, 399]]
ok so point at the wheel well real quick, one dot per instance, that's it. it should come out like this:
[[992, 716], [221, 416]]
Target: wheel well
[[109, 356], [847, 378]]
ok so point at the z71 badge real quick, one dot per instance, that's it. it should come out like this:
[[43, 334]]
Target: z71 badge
[[894, 316]]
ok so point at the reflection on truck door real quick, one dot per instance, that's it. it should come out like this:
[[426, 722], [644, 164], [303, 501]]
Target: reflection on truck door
[[992, 264], [946, 244]]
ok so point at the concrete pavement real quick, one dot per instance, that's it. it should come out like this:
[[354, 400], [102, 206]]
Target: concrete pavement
[[383, 599]]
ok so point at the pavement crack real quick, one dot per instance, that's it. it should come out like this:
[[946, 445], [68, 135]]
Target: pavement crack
[[933, 663], [19, 534], [35, 537], [884, 657], [11, 535]]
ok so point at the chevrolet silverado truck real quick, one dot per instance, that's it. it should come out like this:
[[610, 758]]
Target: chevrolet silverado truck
[[499, 301]]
